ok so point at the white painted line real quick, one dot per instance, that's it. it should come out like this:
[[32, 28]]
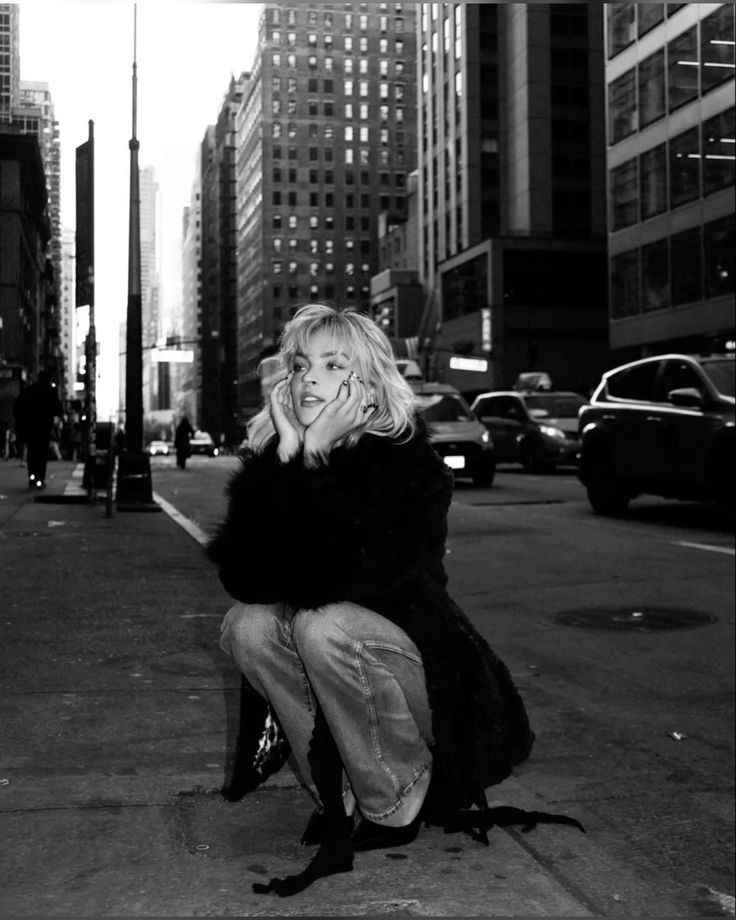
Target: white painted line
[[709, 547], [191, 528]]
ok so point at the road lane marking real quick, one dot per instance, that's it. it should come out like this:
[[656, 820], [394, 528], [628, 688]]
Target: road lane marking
[[709, 547], [191, 528]]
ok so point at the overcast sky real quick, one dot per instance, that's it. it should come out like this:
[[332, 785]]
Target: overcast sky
[[186, 53]]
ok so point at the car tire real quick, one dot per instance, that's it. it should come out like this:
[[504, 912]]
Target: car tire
[[606, 493]]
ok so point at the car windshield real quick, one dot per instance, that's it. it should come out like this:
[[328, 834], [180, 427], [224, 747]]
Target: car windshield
[[554, 405], [721, 373], [443, 407]]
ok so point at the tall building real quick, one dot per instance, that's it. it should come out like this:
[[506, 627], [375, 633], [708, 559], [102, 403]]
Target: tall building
[[151, 325], [512, 191], [187, 385], [671, 159], [67, 318], [9, 60], [326, 142]]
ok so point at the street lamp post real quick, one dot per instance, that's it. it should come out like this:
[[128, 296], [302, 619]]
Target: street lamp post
[[134, 492]]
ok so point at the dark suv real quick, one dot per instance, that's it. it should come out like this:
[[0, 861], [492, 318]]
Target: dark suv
[[661, 426]]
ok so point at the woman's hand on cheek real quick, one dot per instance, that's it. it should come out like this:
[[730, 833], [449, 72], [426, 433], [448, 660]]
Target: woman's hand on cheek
[[337, 419], [288, 428]]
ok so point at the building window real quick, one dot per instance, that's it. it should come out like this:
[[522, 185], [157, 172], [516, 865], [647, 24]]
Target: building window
[[293, 221], [328, 64], [624, 194], [347, 65], [276, 221], [682, 68], [718, 152], [621, 29], [293, 268], [622, 107], [276, 59], [655, 276], [687, 274], [648, 16], [277, 266], [684, 168], [364, 111], [653, 181], [652, 103], [348, 43], [717, 58], [625, 284], [349, 110], [719, 247], [276, 129]]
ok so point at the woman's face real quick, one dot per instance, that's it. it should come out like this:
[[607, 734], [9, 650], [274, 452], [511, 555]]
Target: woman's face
[[318, 375]]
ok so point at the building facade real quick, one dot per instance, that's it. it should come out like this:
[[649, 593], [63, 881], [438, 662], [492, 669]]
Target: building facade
[[671, 158], [326, 142], [512, 191]]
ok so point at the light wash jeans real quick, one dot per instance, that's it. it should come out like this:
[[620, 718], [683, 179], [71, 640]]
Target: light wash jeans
[[367, 676]]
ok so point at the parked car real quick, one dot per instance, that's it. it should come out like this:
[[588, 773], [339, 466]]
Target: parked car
[[455, 432], [664, 426], [202, 442], [159, 448], [537, 429]]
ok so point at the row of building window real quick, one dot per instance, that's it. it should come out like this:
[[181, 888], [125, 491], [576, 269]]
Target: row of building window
[[628, 21], [295, 294], [349, 157], [350, 222], [349, 20], [327, 63], [351, 133], [349, 46], [315, 269], [685, 268], [695, 163], [346, 87], [328, 177], [327, 199], [350, 110], [663, 82], [316, 245]]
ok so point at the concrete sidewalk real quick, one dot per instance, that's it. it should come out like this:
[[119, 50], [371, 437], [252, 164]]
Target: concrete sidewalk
[[118, 716]]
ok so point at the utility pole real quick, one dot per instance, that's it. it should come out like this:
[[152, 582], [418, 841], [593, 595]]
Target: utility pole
[[134, 468]]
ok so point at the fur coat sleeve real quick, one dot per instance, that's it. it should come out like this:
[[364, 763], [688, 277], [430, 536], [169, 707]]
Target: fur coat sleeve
[[359, 528]]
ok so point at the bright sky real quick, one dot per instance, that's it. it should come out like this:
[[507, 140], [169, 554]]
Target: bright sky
[[187, 52]]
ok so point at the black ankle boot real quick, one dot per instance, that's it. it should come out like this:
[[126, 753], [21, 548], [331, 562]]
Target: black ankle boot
[[372, 836]]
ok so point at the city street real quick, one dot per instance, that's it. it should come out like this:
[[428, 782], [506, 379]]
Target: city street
[[631, 702], [119, 713]]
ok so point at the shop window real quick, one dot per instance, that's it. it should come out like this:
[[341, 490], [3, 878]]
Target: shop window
[[682, 68], [652, 101], [653, 181], [684, 168], [687, 273]]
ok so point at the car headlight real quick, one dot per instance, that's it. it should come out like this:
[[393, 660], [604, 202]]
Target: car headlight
[[551, 431], [485, 437]]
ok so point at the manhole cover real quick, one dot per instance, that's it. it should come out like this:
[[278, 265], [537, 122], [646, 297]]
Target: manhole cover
[[637, 619]]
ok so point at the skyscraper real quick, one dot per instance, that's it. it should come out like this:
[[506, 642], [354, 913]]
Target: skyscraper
[[671, 166], [326, 141], [9, 60], [512, 190]]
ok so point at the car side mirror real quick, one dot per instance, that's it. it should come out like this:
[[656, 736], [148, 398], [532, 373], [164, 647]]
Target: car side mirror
[[687, 397]]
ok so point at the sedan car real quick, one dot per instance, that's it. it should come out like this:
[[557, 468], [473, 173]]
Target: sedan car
[[159, 448], [202, 442], [538, 429], [662, 425], [455, 432]]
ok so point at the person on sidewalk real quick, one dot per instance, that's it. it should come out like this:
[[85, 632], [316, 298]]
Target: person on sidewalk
[[182, 436], [37, 409], [394, 706]]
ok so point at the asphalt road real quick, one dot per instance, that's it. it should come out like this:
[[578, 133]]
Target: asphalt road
[[620, 635]]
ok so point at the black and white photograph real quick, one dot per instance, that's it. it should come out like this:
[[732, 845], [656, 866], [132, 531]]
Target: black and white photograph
[[367, 448]]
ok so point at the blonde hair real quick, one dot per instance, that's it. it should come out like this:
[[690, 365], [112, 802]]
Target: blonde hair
[[366, 344]]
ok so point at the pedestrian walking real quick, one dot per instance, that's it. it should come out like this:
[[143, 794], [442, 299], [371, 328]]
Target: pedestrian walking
[[182, 436], [353, 653], [36, 411]]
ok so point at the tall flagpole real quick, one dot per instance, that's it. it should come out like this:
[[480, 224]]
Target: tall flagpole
[[134, 468]]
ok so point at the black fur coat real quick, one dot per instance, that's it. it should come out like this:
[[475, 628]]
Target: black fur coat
[[370, 527]]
